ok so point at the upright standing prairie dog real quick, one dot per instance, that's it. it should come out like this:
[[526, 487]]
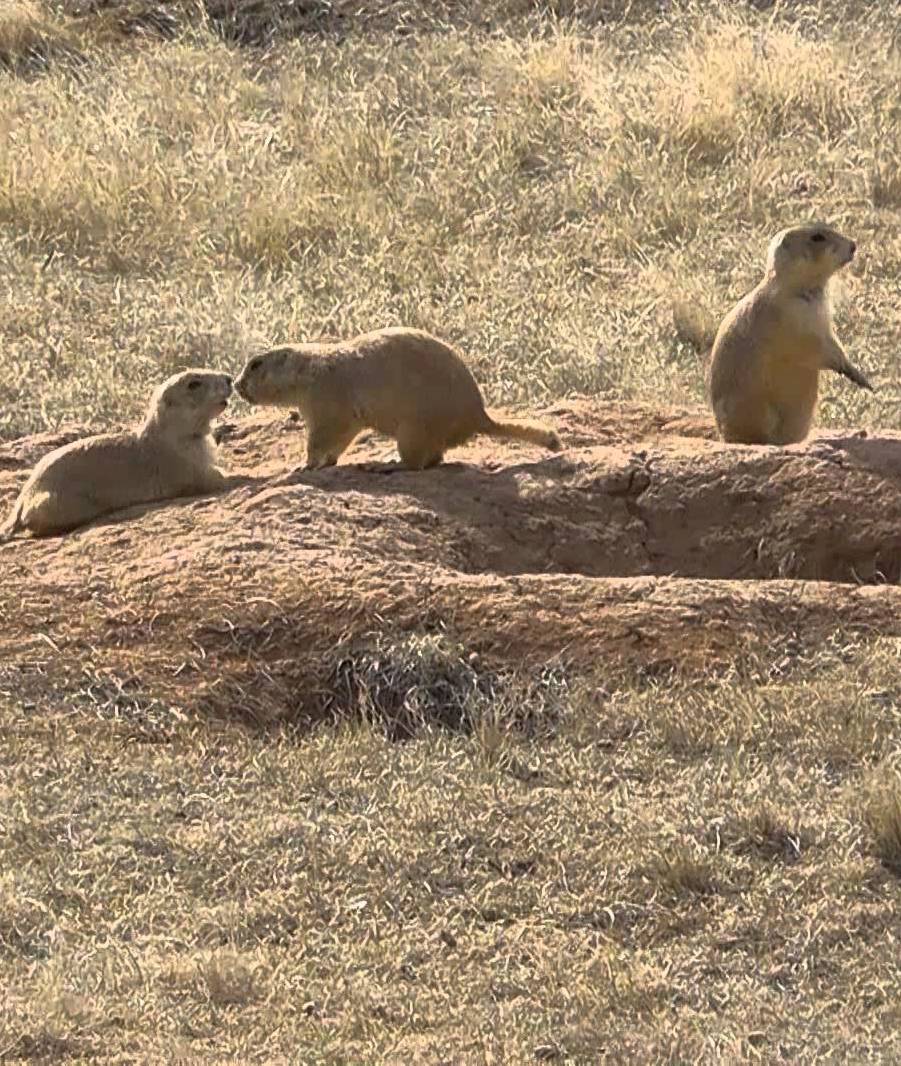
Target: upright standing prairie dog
[[401, 382], [171, 454], [772, 345]]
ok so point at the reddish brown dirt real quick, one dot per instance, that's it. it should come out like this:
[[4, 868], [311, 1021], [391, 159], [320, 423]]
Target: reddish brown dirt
[[644, 544]]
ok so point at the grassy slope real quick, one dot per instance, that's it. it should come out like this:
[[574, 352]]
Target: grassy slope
[[576, 211], [672, 873]]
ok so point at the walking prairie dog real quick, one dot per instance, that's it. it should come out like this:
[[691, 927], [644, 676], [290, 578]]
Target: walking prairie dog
[[772, 345], [171, 454], [401, 382]]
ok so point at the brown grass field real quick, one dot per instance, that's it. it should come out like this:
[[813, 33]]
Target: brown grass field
[[609, 867]]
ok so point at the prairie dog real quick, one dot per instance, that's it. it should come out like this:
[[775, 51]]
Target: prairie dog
[[401, 382], [171, 454], [771, 347]]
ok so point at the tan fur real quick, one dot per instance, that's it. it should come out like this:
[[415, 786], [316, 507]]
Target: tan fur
[[171, 454], [771, 347], [401, 382]]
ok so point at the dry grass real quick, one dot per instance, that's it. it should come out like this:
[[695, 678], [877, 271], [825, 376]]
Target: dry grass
[[31, 39], [575, 210], [547, 868], [592, 893]]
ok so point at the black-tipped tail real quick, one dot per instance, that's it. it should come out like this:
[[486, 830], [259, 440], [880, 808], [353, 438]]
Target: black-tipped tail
[[853, 374]]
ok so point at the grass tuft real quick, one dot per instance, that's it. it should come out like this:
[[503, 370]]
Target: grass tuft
[[769, 834], [31, 39], [884, 818], [681, 873], [228, 979], [407, 683]]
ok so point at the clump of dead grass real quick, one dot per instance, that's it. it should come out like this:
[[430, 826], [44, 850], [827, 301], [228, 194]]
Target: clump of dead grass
[[739, 80], [407, 683], [228, 978], [262, 22], [767, 833], [680, 872], [31, 38], [883, 817]]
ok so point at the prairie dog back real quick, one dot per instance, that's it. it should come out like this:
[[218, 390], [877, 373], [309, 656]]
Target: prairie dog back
[[402, 382]]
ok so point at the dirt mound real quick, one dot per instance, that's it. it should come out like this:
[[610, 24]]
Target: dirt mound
[[644, 545]]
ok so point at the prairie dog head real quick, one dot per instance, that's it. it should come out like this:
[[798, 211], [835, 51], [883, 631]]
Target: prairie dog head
[[187, 402], [806, 257], [278, 377]]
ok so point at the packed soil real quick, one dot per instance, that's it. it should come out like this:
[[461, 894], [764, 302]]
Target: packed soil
[[644, 545]]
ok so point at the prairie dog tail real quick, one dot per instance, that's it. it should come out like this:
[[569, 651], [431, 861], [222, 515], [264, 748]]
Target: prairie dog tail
[[13, 524], [530, 432], [851, 372]]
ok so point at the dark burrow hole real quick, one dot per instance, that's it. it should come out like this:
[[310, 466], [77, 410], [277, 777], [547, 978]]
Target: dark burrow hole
[[405, 683]]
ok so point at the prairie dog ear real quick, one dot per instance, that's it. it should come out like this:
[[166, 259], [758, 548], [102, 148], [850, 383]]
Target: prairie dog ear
[[776, 247], [277, 357]]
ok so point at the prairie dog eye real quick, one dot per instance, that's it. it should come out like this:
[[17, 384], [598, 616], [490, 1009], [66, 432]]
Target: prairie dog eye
[[195, 384], [818, 237]]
